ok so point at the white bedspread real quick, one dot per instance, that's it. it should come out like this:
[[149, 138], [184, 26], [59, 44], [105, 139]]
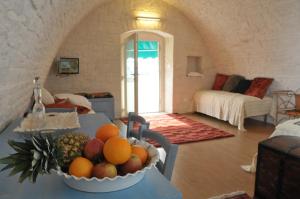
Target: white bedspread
[[77, 100], [290, 127], [231, 107]]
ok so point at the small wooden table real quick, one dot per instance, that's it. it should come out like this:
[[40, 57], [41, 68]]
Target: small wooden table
[[153, 185]]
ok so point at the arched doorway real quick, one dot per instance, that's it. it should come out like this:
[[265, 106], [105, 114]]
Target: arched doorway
[[147, 71]]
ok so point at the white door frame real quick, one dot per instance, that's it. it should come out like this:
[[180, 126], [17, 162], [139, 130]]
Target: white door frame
[[134, 38], [166, 68]]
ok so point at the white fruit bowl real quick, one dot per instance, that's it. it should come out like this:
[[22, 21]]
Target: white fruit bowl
[[112, 184]]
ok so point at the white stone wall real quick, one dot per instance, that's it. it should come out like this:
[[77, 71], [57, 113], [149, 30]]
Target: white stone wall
[[96, 41], [30, 34], [250, 37]]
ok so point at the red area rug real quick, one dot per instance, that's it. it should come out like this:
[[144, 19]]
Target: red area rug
[[180, 129], [233, 195]]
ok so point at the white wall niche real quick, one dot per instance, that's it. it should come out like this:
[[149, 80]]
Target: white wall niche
[[194, 68]]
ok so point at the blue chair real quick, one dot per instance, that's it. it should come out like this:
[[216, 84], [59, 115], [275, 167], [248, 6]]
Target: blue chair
[[164, 165], [135, 126]]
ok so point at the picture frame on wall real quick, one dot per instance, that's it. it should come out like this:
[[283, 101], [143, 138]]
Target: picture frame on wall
[[68, 66]]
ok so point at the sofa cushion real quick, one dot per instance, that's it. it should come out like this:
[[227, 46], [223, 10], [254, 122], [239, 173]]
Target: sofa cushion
[[232, 82], [259, 87], [242, 86], [47, 98], [219, 81]]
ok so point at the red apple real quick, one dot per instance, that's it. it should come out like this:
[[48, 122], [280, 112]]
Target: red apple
[[93, 148], [132, 165], [104, 169]]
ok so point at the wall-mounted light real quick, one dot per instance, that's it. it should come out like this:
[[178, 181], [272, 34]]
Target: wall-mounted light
[[146, 19], [150, 19]]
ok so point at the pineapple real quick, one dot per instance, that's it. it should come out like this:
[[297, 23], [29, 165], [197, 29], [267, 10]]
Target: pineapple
[[41, 154], [32, 157], [70, 146]]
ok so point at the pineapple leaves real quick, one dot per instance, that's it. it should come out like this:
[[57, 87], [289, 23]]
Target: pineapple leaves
[[7, 167], [20, 147], [32, 157], [18, 168], [35, 142], [25, 174], [7, 160], [18, 157]]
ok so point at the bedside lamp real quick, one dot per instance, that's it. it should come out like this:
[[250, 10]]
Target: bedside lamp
[[297, 99]]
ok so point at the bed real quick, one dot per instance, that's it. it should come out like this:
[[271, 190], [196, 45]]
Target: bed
[[66, 102], [231, 107]]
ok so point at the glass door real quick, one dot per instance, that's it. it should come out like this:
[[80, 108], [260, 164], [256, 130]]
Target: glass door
[[131, 67], [149, 76], [142, 75]]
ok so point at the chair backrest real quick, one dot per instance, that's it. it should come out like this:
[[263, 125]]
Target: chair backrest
[[136, 124], [164, 166]]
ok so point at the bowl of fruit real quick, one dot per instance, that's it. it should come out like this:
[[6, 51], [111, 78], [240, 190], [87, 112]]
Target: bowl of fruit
[[104, 163], [107, 162]]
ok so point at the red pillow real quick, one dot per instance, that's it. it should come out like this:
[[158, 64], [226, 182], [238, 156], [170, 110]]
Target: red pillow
[[259, 87], [219, 81]]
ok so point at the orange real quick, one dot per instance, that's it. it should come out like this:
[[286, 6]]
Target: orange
[[141, 152], [117, 150], [81, 167], [107, 131]]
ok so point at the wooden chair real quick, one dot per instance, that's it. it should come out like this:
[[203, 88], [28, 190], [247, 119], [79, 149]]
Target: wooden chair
[[135, 126], [166, 165]]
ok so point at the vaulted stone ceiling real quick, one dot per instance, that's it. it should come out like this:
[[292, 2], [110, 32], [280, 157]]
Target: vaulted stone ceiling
[[250, 37]]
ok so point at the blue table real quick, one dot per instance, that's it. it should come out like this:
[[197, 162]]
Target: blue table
[[152, 186]]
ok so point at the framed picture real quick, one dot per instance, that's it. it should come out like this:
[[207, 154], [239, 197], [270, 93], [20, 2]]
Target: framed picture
[[68, 66]]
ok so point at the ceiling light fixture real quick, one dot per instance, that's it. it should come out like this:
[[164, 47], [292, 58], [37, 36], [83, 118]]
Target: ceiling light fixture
[[152, 19]]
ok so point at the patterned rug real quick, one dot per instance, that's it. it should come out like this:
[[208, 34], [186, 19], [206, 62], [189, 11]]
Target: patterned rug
[[233, 195], [180, 129]]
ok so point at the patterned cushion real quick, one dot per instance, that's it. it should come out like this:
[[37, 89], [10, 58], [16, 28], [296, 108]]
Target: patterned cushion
[[219, 81], [242, 87], [232, 82], [259, 87]]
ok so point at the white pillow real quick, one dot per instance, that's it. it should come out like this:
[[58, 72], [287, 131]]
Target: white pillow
[[75, 99], [47, 98]]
